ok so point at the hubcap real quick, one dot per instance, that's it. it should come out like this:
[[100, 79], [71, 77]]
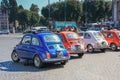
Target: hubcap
[[90, 49], [14, 56], [113, 47], [37, 61]]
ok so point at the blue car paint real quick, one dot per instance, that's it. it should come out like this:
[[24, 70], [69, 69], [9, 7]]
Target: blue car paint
[[28, 51], [53, 51]]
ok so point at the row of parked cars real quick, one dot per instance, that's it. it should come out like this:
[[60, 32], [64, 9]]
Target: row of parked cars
[[49, 47]]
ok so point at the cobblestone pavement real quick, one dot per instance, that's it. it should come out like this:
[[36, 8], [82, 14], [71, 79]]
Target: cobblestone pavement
[[97, 66]]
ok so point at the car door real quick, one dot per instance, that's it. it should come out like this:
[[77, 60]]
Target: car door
[[110, 37], [24, 47], [87, 38], [35, 46]]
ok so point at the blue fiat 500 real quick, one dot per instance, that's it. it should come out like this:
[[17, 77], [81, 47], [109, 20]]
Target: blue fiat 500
[[41, 48]]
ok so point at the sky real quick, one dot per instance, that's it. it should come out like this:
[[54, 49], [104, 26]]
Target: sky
[[27, 3]]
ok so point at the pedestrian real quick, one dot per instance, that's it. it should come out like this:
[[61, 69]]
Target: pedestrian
[[66, 29], [75, 30]]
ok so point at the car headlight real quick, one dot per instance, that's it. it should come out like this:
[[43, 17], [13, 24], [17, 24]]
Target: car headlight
[[82, 46]]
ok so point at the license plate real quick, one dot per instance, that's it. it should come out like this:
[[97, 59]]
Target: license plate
[[59, 54]]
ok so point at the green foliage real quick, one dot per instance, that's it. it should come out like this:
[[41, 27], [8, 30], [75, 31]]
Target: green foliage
[[34, 8], [24, 17], [73, 11], [20, 7], [88, 10], [28, 17], [34, 19], [96, 10], [43, 21]]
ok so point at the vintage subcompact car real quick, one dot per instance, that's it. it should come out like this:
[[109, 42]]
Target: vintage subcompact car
[[113, 38], [94, 40], [41, 48], [72, 42]]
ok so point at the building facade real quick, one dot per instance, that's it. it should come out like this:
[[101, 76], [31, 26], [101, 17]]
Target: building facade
[[4, 23]]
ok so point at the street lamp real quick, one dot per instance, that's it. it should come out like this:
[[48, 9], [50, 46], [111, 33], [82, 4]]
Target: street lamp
[[49, 8]]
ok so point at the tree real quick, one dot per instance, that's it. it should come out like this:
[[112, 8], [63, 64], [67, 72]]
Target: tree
[[34, 19], [73, 11], [108, 10], [24, 18], [43, 21], [34, 8], [96, 10], [20, 7], [34, 15]]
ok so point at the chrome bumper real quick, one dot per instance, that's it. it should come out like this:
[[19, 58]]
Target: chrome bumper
[[56, 60]]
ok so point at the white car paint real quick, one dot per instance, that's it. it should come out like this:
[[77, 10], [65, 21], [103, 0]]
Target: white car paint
[[96, 42]]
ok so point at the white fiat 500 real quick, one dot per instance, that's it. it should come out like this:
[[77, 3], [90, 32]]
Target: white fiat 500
[[94, 40]]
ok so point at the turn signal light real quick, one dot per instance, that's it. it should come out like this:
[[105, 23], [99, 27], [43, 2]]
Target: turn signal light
[[68, 54], [48, 55]]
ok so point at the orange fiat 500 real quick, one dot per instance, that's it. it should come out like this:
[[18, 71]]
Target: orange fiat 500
[[72, 43], [113, 39]]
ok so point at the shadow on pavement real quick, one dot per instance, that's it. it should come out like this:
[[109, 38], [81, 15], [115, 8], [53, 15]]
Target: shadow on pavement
[[75, 56], [95, 52], [20, 67]]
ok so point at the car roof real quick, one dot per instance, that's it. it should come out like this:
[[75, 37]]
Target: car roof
[[111, 30], [89, 31], [66, 32], [40, 34]]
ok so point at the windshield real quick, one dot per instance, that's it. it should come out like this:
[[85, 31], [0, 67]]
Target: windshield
[[72, 35], [51, 38], [98, 35], [118, 33]]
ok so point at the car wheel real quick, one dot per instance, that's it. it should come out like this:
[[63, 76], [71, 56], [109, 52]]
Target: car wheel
[[90, 48], [63, 63], [15, 57], [80, 55], [113, 47], [103, 50], [37, 62]]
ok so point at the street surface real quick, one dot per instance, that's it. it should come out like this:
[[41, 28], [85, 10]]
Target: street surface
[[97, 66]]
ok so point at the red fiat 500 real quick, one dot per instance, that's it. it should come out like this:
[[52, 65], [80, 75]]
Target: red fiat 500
[[72, 43], [113, 38]]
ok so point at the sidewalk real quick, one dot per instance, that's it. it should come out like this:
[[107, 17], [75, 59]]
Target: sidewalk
[[12, 35]]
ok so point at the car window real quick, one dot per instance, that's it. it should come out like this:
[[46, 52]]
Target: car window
[[87, 36], [72, 35], [26, 40], [51, 38], [104, 34], [118, 34], [81, 35], [60, 36], [35, 41], [110, 35], [98, 35]]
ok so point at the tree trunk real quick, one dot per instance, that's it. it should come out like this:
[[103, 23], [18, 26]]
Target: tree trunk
[[14, 27]]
